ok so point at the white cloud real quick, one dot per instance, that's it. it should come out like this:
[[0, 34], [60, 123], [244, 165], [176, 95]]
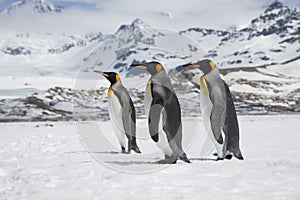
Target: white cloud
[[109, 15], [189, 13]]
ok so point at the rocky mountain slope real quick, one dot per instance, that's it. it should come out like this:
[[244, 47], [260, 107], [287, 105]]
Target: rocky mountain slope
[[272, 38], [33, 7], [259, 62]]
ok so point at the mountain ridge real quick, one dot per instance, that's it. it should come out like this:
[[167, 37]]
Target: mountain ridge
[[271, 38], [33, 7]]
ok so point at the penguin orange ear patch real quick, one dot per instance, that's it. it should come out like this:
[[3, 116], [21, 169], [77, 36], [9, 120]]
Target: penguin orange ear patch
[[158, 67], [212, 64], [117, 77]]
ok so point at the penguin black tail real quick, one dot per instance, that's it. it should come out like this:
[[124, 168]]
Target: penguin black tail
[[134, 146], [184, 158], [238, 155]]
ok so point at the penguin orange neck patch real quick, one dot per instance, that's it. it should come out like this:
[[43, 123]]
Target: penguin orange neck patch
[[204, 85], [110, 90]]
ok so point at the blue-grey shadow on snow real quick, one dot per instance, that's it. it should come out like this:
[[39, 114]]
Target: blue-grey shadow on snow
[[107, 152], [202, 159], [125, 163], [97, 152]]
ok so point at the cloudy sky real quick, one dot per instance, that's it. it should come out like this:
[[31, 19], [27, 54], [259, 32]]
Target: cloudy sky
[[107, 15]]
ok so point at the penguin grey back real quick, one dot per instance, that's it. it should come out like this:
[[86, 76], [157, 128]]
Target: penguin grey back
[[231, 126]]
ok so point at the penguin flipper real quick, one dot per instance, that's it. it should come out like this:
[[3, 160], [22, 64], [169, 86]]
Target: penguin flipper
[[154, 119], [128, 118], [215, 119]]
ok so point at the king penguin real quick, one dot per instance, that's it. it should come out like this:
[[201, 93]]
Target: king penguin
[[164, 114], [218, 111], [121, 112]]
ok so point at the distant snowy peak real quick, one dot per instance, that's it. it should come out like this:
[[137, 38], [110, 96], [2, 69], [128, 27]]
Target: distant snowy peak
[[136, 29], [33, 7], [132, 34], [276, 19], [119, 48], [137, 23], [272, 37]]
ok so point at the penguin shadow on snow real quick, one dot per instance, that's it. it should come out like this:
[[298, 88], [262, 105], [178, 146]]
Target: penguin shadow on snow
[[227, 157], [126, 163], [155, 162], [97, 152], [107, 152], [202, 159]]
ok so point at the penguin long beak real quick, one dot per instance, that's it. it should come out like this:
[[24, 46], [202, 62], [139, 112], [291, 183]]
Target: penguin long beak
[[141, 66], [102, 73], [191, 65]]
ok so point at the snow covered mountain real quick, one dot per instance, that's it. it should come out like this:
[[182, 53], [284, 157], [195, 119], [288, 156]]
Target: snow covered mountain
[[138, 42], [272, 38], [259, 62], [40, 54], [34, 7]]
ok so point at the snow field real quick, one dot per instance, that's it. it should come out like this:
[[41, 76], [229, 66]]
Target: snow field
[[47, 160]]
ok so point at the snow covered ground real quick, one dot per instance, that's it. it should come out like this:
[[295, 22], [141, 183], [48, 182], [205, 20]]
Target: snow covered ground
[[65, 160]]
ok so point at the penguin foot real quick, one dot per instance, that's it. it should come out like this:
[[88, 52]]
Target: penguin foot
[[219, 159], [124, 151], [228, 156], [167, 161], [184, 158], [136, 149]]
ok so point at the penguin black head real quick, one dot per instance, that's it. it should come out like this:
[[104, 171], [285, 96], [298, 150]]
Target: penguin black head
[[111, 76], [205, 66], [152, 67]]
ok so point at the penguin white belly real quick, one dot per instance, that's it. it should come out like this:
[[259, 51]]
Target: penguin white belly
[[206, 109], [163, 142], [115, 113]]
